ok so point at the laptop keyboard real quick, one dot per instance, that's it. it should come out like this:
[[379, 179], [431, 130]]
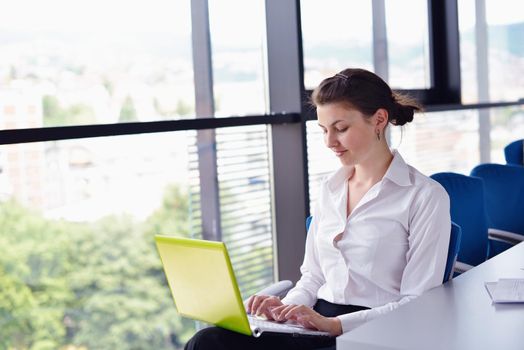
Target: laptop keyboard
[[275, 326]]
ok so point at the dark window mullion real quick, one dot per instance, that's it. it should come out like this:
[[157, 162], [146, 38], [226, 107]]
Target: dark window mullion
[[444, 52]]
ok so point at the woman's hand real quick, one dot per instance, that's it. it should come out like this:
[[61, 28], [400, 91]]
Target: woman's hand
[[262, 305], [307, 317]]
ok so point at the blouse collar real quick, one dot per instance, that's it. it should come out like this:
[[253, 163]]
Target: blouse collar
[[398, 172]]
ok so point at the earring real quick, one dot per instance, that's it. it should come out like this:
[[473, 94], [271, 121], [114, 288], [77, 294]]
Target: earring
[[378, 134]]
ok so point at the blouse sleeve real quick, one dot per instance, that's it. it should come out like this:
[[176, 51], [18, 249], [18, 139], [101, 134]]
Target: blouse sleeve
[[305, 291]]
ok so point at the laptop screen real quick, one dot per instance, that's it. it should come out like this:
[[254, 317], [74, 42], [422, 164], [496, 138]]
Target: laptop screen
[[202, 282]]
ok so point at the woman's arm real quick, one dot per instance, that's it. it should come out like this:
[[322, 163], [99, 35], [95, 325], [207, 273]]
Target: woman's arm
[[305, 291]]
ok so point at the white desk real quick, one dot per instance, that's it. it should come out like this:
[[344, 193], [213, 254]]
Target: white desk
[[457, 315]]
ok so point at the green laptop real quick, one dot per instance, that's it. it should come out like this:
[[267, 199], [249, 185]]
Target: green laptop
[[204, 287]]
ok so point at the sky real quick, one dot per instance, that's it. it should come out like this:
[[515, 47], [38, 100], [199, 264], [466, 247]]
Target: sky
[[97, 15], [497, 12], [350, 19]]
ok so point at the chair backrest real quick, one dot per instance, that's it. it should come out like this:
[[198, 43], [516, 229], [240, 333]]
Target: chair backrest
[[504, 194], [466, 194], [514, 153], [453, 251], [308, 222]]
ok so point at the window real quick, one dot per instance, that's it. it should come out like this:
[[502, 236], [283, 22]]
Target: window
[[239, 69], [449, 141], [505, 49], [439, 141], [77, 216], [468, 57], [408, 46], [336, 34], [97, 62], [507, 125], [501, 34], [78, 265], [245, 204]]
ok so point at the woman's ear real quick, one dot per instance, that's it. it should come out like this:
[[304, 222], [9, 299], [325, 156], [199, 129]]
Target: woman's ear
[[381, 118]]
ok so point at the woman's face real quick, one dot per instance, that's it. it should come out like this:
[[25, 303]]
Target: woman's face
[[346, 132]]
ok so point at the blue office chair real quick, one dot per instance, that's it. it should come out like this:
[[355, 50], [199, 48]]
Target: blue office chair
[[281, 288], [468, 210], [514, 153], [308, 222], [453, 251], [504, 195]]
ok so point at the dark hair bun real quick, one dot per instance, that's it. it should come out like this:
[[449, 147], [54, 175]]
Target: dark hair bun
[[403, 109], [403, 114]]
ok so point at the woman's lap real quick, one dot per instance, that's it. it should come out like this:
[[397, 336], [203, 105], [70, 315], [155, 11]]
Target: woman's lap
[[218, 338]]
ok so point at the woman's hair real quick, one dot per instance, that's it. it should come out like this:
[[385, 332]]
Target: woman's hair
[[365, 92]]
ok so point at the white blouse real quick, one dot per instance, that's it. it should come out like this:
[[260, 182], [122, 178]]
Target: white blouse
[[393, 246]]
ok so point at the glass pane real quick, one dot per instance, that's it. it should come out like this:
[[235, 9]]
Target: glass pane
[[506, 49], [408, 44], [439, 141], [238, 43], [336, 34], [507, 125], [78, 266], [245, 204], [96, 62], [505, 25], [321, 160], [468, 55]]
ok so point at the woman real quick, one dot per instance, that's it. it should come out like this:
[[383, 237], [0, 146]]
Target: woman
[[380, 230]]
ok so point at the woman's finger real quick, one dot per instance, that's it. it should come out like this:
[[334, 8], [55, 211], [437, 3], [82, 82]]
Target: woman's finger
[[256, 303], [249, 304], [295, 311], [279, 312], [264, 306]]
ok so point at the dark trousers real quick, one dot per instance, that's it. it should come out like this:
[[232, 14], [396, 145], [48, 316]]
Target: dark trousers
[[221, 339]]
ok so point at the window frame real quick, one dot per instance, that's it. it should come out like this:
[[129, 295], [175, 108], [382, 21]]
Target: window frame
[[289, 110]]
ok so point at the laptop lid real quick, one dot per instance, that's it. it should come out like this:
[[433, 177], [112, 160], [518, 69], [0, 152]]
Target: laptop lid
[[202, 282]]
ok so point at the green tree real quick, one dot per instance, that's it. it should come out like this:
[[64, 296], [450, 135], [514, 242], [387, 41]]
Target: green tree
[[16, 303], [52, 110], [121, 300], [128, 111], [183, 108], [121, 289], [95, 286], [34, 292], [108, 84], [56, 115], [171, 218]]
